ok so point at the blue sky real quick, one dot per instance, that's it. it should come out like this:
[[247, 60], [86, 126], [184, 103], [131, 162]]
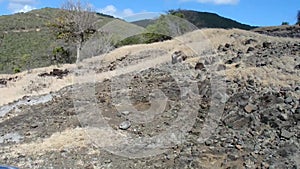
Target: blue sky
[[253, 12]]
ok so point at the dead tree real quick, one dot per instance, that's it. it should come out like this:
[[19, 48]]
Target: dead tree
[[75, 24]]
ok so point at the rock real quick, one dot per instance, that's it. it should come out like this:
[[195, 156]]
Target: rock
[[243, 102], [297, 67], [112, 66], [249, 164], [245, 96], [251, 82], [233, 157], [228, 62], [34, 125], [108, 161], [199, 66], [236, 121], [125, 125], [288, 100], [90, 166], [236, 59], [178, 56], [250, 108], [250, 49], [265, 165], [249, 41], [281, 108], [267, 44], [291, 31], [261, 64], [297, 111], [221, 67], [208, 143], [55, 73], [239, 147], [283, 116], [286, 134], [296, 116], [227, 45], [125, 113], [3, 82]]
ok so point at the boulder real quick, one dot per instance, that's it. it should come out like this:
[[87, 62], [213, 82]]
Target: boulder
[[250, 108], [267, 44], [178, 56]]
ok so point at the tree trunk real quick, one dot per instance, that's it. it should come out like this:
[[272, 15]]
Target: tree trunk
[[78, 52], [79, 45]]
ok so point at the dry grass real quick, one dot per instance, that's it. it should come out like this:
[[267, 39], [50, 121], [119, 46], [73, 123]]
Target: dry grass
[[199, 41]]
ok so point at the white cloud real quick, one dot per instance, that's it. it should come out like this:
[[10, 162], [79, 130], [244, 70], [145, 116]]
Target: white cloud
[[217, 2], [26, 8], [109, 10], [21, 5], [128, 12], [23, 2], [113, 11]]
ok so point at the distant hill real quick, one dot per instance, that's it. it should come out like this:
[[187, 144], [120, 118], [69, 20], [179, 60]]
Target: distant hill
[[202, 20], [144, 23]]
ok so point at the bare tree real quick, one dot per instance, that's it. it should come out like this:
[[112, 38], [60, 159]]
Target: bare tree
[[100, 43], [75, 24]]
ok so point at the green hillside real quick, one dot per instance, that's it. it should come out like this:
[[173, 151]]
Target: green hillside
[[211, 20], [144, 23], [26, 41], [201, 20]]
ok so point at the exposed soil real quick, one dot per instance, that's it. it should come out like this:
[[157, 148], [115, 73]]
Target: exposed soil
[[258, 126]]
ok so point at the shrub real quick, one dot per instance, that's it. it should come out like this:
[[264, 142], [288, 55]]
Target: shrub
[[284, 23], [17, 70], [144, 38]]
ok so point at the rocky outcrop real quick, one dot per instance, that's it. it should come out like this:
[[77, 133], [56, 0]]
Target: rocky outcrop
[[56, 73], [280, 31]]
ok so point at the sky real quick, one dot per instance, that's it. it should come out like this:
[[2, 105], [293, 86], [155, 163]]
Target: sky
[[252, 12]]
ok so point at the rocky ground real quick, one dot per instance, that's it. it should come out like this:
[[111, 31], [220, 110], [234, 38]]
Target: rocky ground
[[258, 125], [281, 31]]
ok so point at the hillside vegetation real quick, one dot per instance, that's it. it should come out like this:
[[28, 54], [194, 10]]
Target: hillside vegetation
[[27, 41], [201, 20]]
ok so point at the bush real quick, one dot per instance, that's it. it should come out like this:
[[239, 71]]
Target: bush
[[62, 55], [284, 23], [176, 13], [17, 70], [144, 38]]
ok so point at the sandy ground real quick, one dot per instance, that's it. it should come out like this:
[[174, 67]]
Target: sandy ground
[[192, 43]]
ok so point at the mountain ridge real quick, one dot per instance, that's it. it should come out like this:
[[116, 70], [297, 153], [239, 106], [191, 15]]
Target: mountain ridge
[[201, 20]]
